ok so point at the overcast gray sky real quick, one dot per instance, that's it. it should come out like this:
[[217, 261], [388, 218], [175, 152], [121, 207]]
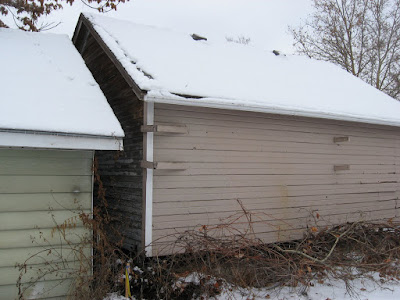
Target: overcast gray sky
[[265, 22]]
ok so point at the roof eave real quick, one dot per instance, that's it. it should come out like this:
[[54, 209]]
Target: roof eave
[[34, 139], [229, 104]]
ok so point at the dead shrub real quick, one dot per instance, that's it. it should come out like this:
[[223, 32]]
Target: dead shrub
[[344, 252]]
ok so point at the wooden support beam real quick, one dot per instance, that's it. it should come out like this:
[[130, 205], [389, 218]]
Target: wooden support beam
[[147, 164], [163, 165], [341, 139], [165, 128], [341, 168]]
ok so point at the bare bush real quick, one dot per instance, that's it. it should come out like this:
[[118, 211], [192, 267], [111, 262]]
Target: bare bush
[[344, 252], [361, 36]]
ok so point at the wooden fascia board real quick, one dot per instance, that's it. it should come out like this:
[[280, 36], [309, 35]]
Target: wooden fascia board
[[77, 30], [82, 20]]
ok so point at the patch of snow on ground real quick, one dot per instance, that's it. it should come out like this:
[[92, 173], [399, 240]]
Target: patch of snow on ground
[[115, 296], [331, 289], [362, 289]]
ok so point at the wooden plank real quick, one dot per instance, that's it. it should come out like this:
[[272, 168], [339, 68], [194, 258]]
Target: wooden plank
[[34, 237], [211, 115], [211, 217], [208, 156], [279, 225], [163, 165], [165, 128], [273, 169], [257, 145], [44, 184], [249, 134], [293, 127], [214, 199], [287, 212], [45, 166], [207, 181], [273, 203], [39, 219], [147, 164], [216, 193], [45, 201]]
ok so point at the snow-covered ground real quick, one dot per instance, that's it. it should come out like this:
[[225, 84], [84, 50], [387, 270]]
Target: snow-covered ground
[[360, 289], [329, 290]]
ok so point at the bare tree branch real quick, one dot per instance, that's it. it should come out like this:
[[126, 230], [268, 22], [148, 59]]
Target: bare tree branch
[[27, 13], [361, 36]]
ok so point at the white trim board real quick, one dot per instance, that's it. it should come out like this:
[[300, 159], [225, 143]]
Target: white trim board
[[54, 141], [148, 230], [230, 104]]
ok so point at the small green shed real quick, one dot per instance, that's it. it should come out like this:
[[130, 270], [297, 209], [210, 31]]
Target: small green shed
[[53, 116]]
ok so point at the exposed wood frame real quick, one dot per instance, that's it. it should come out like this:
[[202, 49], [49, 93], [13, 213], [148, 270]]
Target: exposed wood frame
[[83, 21], [165, 128], [148, 147]]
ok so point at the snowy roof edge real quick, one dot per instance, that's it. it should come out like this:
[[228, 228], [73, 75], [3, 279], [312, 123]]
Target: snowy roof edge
[[227, 104], [165, 96], [49, 140]]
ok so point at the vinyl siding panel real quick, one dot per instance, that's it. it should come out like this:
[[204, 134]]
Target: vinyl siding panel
[[54, 290], [280, 168], [40, 189]]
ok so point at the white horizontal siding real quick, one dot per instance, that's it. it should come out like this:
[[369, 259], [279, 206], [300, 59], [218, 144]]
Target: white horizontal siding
[[281, 168]]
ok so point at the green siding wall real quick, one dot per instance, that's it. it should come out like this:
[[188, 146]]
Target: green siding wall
[[38, 190]]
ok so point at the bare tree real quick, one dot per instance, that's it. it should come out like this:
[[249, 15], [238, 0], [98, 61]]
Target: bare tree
[[361, 36], [26, 14]]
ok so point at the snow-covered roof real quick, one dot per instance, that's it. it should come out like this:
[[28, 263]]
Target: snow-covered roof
[[167, 64], [46, 87]]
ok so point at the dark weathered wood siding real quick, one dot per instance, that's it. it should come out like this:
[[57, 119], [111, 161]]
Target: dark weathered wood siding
[[120, 172], [281, 168]]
